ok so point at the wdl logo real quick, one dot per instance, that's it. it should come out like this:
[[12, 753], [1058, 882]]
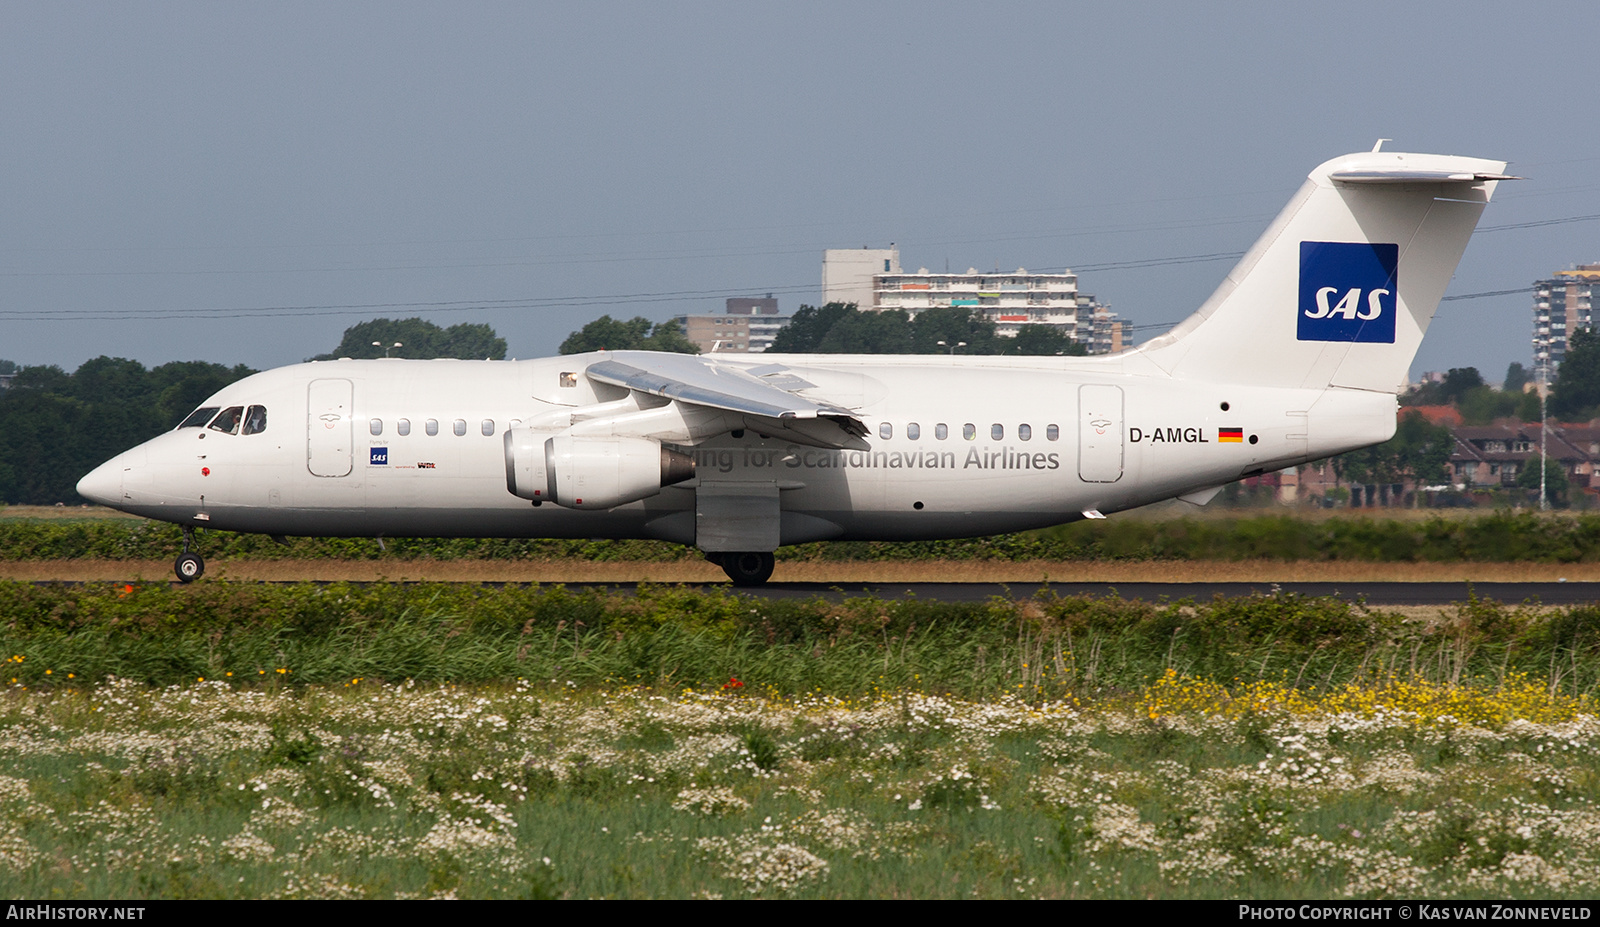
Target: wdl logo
[[1347, 291]]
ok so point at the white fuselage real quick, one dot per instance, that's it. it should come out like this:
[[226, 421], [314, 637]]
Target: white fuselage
[[958, 447]]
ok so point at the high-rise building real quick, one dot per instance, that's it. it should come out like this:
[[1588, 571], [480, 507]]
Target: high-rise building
[[748, 326], [1011, 301], [1107, 333], [1561, 306], [847, 273]]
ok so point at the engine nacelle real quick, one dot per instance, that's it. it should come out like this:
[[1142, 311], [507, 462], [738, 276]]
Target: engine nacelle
[[590, 472]]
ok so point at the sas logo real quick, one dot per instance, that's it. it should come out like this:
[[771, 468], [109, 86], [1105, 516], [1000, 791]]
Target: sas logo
[[1347, 291], [379, 457]]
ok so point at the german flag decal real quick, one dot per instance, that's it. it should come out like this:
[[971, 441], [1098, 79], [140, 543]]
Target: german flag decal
[[1230, 435]]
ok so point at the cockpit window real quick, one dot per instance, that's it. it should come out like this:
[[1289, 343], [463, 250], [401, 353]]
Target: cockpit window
[[228, 421], [199, 417], [255, 420]]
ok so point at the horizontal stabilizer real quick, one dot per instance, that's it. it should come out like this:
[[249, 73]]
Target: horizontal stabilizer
[[1384, 176]]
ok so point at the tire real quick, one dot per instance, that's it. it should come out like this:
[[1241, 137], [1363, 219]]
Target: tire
[[748, 569], [189, 568]]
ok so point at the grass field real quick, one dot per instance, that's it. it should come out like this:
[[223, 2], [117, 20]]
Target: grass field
[[238, 740], [1181, 789]]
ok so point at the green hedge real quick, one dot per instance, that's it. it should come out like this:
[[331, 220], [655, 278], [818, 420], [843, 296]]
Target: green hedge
[[672, 637]]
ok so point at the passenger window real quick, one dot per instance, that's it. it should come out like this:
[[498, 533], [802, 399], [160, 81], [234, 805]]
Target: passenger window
[[487, 427], [199, 417], [886, 431], [460, 427], [228, 421], [255, 420], [1052, 433], [969, 431], [1024, 432], [941, 431], [997, 432], [403, 427], [913, 431], [431, 426], [376, 426]]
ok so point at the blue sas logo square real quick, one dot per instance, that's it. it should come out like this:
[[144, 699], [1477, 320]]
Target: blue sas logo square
[[1347, 291], [379, 458]]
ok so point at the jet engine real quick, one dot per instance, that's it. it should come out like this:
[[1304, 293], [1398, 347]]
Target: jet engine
[[590, 471]]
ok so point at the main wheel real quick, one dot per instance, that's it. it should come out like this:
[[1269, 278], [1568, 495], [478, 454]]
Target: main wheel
[[748, 569], [189, 568]]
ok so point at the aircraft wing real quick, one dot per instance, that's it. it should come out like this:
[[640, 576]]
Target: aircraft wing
[[766, 396]]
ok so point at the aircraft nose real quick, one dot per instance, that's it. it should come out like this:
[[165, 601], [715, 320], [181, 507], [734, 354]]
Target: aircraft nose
[[103, 484]]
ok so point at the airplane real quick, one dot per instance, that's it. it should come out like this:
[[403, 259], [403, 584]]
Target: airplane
[[1299, 355]]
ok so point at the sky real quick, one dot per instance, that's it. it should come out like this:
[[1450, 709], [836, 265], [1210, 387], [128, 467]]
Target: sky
[[239, 183]]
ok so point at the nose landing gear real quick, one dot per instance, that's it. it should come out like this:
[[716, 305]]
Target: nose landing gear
[[189, 566]]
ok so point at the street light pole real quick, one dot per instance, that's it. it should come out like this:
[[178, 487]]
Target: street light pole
[[1544, 501]]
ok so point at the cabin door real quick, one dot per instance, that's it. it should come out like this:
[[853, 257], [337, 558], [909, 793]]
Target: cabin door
[[1100, 434], [328, 427]]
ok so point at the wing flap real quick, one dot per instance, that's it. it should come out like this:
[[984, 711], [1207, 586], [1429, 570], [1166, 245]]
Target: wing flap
[[697, 381]]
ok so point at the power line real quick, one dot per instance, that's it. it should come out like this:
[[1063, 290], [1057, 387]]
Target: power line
[[1540, 223], [553, 302], [1523, 290]]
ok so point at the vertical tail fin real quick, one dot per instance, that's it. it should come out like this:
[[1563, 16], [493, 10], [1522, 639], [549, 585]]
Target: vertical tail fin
[[1342, 286]]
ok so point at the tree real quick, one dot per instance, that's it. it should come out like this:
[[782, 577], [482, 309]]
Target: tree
[[636, 334], [869, 333], [175, 389], [1576, 393], [953, 325], [1555, 480], [1044, 341], [58, 427], [1483, 404], [1418, 451], [46, 378], [1516, 378], [807, 328], [418, 339], [1458, 381], [1529, 409]]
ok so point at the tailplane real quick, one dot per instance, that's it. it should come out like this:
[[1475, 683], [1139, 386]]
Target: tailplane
[[1342, 286]]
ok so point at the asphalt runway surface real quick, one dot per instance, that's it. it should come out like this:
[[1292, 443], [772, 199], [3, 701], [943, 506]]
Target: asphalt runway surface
[[1370, 593], [1544, 593]]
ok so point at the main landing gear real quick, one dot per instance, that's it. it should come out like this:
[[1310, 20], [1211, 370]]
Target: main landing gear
[[189, 566], [745, 569]]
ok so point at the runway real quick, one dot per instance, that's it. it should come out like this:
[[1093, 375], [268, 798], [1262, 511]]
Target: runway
[[1377, 594]]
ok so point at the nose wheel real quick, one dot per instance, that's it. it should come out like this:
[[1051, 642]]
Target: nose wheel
[[751, 568], [189, 566]]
